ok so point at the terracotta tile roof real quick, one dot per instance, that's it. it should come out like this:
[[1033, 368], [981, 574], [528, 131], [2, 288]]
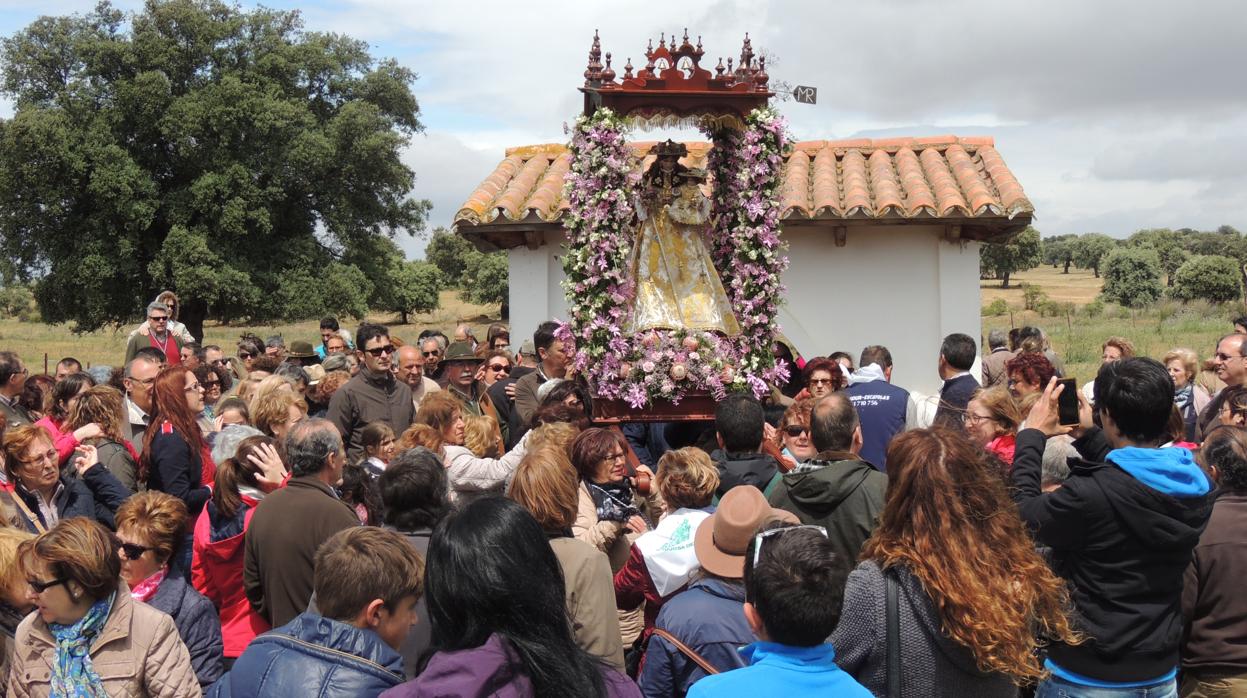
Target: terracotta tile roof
[[895, 178]]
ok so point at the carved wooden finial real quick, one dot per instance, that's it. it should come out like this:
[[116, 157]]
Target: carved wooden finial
[[760, 78], [628, 69], [594, 69], [718, 69], [608, 75]]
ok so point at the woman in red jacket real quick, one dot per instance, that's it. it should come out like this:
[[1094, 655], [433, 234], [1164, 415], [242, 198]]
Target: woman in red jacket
[[217, 558]]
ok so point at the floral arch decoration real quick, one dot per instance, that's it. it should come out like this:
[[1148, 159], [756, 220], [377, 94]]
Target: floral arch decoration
[[745, 162]]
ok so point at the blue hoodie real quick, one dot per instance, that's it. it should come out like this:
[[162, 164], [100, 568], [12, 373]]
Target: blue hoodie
[[782, 671], [1171, 471]]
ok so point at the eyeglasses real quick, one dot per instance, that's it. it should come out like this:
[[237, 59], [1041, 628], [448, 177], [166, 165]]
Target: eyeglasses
[[153, 318], [244, 355], [134, 551], [41, 587], [211, 384], [757, 540], [48, 456], [500, 368], [617, 456], [972, 418], [820, 381], [194, 387], [378, 351], [221, 362], [431, 353], [795, 430]]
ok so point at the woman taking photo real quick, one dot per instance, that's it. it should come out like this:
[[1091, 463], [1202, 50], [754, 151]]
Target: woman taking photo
[[546, 486], [104, 406], [470, 477], [42, 495], [968, 573], [176, 458], [88, 636], [498, 614], [242, 480], [609, 506], [65, 395], [150, 526], [992, 418]]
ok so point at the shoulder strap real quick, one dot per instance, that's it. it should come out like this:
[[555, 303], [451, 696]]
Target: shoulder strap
[[894, 634], [686, 651], [21, 504]]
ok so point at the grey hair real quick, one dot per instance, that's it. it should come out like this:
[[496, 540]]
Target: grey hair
[[309, 445], [997, 338], [275, 341], [226, 444], [546, 388], [157, 305], [293, 373], [101, 373], [1056, 454]]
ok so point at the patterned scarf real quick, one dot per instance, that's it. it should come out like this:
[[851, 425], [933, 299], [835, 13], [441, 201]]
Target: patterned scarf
[[146, 589], [73, 676], [1182, 397], [613, 500]]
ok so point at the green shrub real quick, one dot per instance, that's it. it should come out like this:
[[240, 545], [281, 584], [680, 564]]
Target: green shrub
[[1095, 308], [1132, 276], [996, 308], [1211, 277], [15, 300], [1032, 296]]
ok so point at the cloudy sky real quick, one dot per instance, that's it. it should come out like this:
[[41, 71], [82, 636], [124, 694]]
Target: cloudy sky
[[1114, 115]]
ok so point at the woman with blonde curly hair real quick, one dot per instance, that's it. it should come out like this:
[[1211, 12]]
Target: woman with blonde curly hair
[[470, 475], [276, 411], [480, 436], [103, 405], [973, 591]]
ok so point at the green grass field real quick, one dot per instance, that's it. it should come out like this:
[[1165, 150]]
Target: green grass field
[[1077, 337], [32, 340]]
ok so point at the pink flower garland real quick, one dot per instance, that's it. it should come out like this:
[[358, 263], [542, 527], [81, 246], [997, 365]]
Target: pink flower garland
[[668, 364]]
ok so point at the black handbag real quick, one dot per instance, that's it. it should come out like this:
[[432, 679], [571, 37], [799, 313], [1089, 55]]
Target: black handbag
[[892, 687]]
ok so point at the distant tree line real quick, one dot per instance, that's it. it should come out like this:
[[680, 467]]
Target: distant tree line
[[1186, 264]]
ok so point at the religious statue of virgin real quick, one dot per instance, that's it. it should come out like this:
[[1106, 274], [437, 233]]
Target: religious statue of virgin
[[677, 286]]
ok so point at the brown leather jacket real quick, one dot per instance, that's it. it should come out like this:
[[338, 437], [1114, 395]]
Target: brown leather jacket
[[138, 653]]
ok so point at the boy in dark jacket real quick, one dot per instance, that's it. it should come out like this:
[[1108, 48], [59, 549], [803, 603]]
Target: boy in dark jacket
[[368, 581], [1121, 531]]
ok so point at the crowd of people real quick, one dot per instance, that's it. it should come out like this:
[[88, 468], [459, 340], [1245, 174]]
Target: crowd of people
[[443, 516]]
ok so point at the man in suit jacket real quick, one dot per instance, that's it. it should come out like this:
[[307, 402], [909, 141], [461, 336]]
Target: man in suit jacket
[[956, 357]]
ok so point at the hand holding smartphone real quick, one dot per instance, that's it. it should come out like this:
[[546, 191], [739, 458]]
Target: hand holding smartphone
[[1067, 403]]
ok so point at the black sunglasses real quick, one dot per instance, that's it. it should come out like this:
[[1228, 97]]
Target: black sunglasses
[[244, 355], [500, 368], [221, 362], [41, 587], [378, 351], [795, 430], [134, 551]]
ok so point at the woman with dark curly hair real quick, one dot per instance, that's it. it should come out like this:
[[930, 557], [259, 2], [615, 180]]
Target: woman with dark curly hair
[[973, 590], [822, 376]]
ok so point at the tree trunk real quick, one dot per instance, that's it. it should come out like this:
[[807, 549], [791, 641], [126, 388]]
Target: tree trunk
[[1067, 263], [1096, 271], [404, 314], [1004, 280], [192, 314], [505, 311]]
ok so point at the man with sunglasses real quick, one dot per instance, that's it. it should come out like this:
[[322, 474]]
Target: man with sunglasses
[[159, 336], [1231, 366], [836, 489], [373, 394]]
